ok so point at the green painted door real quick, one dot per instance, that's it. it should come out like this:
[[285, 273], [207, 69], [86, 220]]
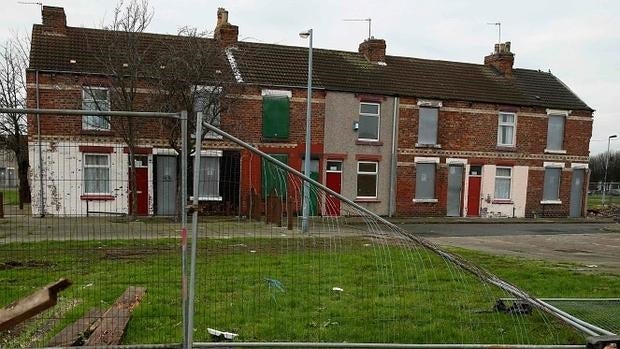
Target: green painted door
[[314, 199], [274, 178]]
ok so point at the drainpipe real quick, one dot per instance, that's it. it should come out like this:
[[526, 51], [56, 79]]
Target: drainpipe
[[393, 159], [40, 149]]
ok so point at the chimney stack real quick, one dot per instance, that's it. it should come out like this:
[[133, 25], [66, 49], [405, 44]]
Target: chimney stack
[[373, 49], [54, 20], [225, 34], [502, 59]]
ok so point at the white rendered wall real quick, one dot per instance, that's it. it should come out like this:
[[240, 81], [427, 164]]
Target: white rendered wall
[[490, 207]]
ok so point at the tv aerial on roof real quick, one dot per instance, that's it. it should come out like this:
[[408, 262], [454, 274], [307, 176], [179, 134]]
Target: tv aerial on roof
[[30, 3], [369, 20], [499, 30]]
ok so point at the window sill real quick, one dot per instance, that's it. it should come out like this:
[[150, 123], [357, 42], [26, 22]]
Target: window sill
[[275, 140], [95, 132], [435, 146], [207, 198], [551, 202], [97, 197], [425, 201], [502, 202], [511, 148], [551, 151], [367, 200], [368, 142]]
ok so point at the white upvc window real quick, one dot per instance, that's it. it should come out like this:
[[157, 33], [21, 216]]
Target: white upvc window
[[95, 98], [96, 174], [369, 121], [367, 179], [503, 183], [506, 129]]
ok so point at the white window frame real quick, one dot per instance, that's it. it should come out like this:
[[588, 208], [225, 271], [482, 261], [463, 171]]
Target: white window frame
[[501, 124], [378, 116], [86, 96], [503, 177], [375, 172], [84, 166]]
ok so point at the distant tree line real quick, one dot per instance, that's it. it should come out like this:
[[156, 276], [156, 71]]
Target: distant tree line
[[597, 166]]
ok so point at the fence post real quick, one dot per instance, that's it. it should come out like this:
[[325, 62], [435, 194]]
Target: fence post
[[1, 204], [192, 267], [183, 212]]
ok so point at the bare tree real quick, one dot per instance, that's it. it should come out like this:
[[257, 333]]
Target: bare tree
[[13, 64], [597, 166], [193, 75], [125, 59]]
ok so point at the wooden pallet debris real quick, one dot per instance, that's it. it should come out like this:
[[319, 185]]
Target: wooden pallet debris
[[111, 328], [32, 305], [77, 332]]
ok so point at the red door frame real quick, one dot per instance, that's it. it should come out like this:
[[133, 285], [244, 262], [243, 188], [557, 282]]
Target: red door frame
[[142, 188], [333, 180], [473, 193]]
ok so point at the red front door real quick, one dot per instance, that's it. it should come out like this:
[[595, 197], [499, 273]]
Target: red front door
[[142, 189], [473, 191], [333, 180]]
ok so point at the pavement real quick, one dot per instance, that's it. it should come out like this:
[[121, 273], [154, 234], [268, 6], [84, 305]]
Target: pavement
[[588, 247]]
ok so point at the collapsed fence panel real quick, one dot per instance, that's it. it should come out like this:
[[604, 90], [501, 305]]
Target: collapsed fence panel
[[108, 215]]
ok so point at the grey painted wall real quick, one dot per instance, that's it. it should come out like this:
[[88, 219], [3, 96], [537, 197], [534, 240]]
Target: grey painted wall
[[341, 111]]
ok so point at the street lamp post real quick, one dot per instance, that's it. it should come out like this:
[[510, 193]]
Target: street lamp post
[[306, 203], [606, 165]]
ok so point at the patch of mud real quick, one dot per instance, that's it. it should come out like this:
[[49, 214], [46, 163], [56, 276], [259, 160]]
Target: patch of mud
[[25, 264]]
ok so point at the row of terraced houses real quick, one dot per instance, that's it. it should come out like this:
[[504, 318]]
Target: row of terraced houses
[[399, 135]]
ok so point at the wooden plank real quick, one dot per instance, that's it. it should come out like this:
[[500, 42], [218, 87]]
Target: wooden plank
[[114, 321], [30, 306], [76, 333]]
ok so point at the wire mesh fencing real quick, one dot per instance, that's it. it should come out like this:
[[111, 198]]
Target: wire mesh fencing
[[108, 216], [105, 215]]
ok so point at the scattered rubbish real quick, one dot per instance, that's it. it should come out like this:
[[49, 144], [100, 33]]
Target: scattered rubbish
[[220, 335], [517, 307], [274, 286], [337, 289], [252, 251], [366, 245], [329, 322], [88, 285], [592, 266], [282, 234]]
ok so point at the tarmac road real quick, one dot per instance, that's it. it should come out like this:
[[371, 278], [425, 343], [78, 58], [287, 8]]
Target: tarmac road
[[589, 247]]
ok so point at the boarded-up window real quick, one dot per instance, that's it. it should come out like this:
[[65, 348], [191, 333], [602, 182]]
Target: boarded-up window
[[425, 181], [551, 191], [555, 132], [367, 173], [209, 184], [274, 178], [427, 128], [276, 111]]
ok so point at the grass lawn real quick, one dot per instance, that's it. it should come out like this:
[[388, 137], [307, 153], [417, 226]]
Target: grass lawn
[[594, 201], [11, 196], [390, 293]]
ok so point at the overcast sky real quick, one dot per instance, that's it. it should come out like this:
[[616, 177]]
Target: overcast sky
[[579, 41]]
